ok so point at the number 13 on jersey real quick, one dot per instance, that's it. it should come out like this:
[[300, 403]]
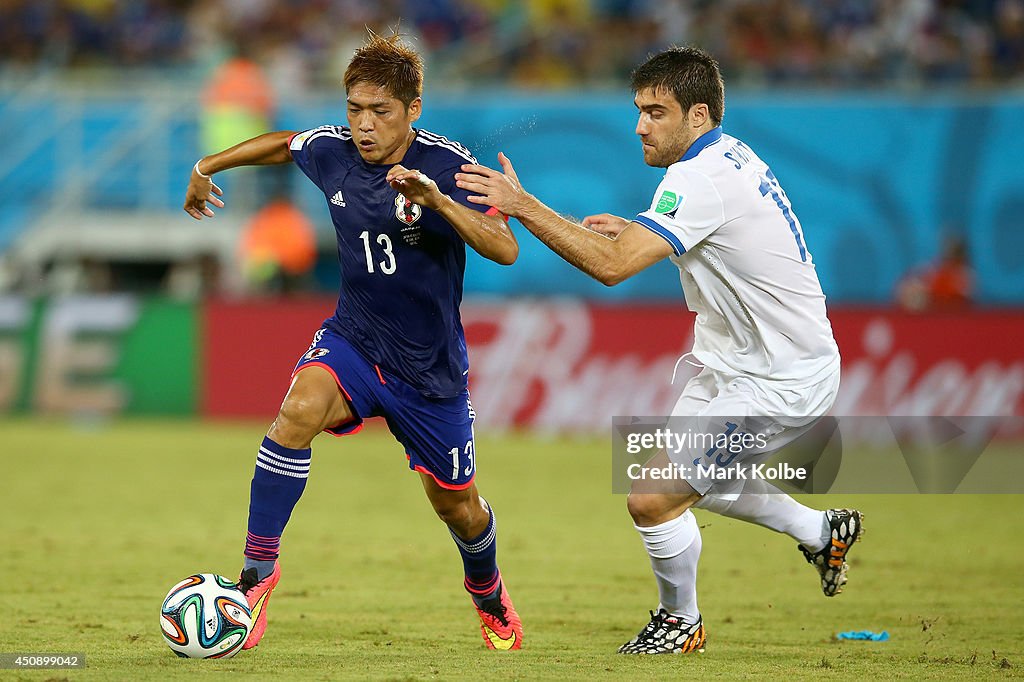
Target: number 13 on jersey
[[387, 266]]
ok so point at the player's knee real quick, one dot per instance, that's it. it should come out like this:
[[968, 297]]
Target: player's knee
[[298, 422], [646, 509], [457, 515]]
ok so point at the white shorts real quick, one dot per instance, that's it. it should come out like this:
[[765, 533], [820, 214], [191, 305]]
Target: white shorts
[[721, 406]]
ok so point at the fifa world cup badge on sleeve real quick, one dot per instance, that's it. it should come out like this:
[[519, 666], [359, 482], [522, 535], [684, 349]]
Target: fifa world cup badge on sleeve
[[668, 202]]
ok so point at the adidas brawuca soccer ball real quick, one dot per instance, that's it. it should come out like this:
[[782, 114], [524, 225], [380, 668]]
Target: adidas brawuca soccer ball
[[205, 616]]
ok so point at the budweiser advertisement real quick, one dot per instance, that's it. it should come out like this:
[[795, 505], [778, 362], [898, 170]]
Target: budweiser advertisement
[[571, 366]]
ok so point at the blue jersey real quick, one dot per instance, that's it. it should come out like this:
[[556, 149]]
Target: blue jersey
[[401, 265]]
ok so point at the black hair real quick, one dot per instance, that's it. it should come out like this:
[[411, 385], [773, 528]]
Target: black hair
[[689, 73]]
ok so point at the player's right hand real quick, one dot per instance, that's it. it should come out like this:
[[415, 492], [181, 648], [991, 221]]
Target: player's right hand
[[605, 223], [201, 190], [502, 190]]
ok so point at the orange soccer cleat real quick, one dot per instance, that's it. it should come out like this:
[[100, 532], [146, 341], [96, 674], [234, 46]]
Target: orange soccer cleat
[[499, 622], [257, 593]]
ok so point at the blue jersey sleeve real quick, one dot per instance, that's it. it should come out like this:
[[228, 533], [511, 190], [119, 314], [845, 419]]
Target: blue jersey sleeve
[[441, 159], [308, 148], [446, 183]]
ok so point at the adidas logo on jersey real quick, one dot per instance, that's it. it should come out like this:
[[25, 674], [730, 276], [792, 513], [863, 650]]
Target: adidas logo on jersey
[[338, 199]]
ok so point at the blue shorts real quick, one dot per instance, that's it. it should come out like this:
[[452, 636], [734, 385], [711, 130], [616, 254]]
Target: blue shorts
[[437, 433]]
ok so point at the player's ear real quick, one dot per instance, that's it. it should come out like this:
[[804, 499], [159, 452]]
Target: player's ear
[[415, 108], [698, 114]]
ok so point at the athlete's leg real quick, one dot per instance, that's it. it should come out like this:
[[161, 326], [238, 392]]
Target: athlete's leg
[[471, 522], [671, 537], [824, 537], [760, 502], [313, 402], [660, 513], [772, 509]]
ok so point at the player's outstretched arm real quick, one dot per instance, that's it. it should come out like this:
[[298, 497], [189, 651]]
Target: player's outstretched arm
[[607, 260], [488, 235], [271, 148]]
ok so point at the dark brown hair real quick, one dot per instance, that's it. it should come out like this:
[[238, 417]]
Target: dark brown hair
[[390, 63], [689, 73]]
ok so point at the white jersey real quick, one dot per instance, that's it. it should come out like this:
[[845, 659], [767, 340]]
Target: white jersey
[[744, 265]]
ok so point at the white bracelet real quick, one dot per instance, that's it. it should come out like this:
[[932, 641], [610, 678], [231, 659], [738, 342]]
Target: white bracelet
[[199, 172]]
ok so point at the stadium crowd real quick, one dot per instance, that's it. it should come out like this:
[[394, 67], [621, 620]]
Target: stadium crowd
[[536, 43]]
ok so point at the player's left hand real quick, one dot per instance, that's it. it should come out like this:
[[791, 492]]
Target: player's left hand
[[605, 223], [502, 190], [415, 186]]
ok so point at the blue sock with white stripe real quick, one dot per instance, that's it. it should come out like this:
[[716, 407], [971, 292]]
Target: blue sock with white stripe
[[277, 485], [479, 559]]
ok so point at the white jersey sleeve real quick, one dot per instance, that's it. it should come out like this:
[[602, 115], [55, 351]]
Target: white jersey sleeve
[[686, 209]]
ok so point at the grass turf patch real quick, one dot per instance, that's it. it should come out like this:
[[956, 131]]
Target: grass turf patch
[[98, 521]]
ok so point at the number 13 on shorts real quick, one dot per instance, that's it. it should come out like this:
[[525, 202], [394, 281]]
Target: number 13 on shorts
[[459, 455]]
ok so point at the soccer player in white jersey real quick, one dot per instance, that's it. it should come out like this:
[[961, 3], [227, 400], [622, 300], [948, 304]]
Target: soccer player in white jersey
[[761, 331]]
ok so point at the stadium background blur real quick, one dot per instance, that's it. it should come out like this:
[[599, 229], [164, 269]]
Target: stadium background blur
[[894, 126]]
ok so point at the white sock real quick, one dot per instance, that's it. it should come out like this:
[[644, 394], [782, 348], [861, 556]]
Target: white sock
[[674, 548], [777, 511]]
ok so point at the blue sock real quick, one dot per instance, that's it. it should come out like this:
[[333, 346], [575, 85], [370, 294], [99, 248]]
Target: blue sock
[[277, 485], [479, 559]]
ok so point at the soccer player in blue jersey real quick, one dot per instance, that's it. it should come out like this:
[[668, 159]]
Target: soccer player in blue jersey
[[394, 346]]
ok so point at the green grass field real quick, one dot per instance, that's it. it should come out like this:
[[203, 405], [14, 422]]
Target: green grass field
[[97, 522]]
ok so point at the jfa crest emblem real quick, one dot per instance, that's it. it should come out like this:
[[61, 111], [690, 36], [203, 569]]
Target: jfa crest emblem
[[406, 211], [315, 353]]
